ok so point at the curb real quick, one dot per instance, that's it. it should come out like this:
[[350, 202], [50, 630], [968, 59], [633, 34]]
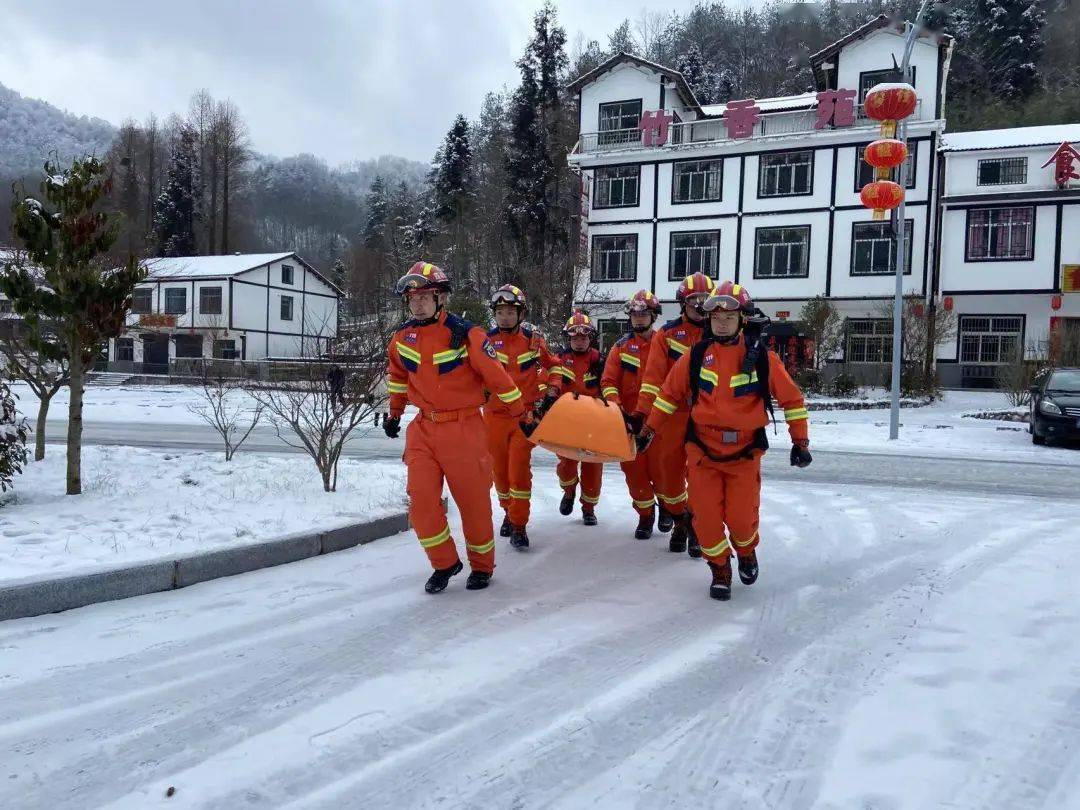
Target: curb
[[54, 595]]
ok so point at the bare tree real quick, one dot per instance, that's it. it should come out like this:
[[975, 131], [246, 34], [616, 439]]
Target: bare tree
[[923, 330], [823, 326], [44, 375], [226, 407], [232, 141]]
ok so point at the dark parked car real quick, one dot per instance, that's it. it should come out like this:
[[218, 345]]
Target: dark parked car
[[1055, 406]]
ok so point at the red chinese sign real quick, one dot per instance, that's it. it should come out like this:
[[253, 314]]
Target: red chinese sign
[[740, 118], [583, 226], [654, 127], [836, 107], [1063, 160], [152, 320], [1070, 278]]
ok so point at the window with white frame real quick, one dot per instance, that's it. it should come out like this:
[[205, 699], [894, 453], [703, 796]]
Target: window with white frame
[[873, 248], [694, 252], [868, 341], [608, 331], [175, 301], [989, 339], [1003, 171], [620, 115], [782, 252], [286, 307], [287, 274], [142, 301], [864, 172], [697, 181], [616, 186], [785, 174], [614, 257], [1000, 233]]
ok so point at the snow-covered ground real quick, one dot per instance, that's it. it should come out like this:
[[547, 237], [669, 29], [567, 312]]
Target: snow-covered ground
[[904, 648], [139, 505]]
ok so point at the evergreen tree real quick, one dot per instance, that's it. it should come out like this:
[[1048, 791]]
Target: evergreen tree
[[1011, 39], [697, 73], [621, 40], [452, 174], [177, 208], [12, 439], [378, 206]]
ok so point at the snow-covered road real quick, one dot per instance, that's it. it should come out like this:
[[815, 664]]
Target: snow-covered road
[[904, 648]]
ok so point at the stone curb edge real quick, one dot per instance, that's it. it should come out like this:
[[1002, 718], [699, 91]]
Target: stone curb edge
[[54, 595]]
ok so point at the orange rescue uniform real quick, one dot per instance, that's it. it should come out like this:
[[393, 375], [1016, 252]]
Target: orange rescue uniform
[[620, 384], [442, 368], [728, 412], [526, 357], [670, 342], [580, 374]]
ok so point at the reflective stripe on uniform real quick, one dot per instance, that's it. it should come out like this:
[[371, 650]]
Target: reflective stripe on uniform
[[678, 348], [649, 388], [569, 483], [510, 396], [526, 357], [710, 376], [502, 495], [449, 355], [629, 359], [570, 375], [743, 379], [397, 387], [745, 543], [677, 499], [502, 358], [481, 548], [434, 540], [644, 504], [407, 353], [795, 414], [663, 405], [717, 550], [590, 500], [521, 494], [610, 391]]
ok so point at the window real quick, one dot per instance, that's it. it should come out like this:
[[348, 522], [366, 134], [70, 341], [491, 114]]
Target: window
[[782, 252], [125, 350], [210, 300], [142, 300], [1003, 171], [614, 258], [189, 345], [1000, 233], [286, 307], [869, 79], [873, 248], [610, 330], [225, 350], [620, 115], [697, 181], [864, 172], [869, 341], [786, 174], [694, 252], [175, 301], [286, 274], [616, 186], [989, 340]]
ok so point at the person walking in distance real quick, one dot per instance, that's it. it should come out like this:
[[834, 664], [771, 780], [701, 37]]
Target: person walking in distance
[[727, 383], [442, 364]]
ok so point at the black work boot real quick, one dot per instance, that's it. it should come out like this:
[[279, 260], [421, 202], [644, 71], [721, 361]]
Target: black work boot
[[645, 524], [721, 580], [693, 548], [478, 580], [588, 515], [677, 541], [566, 505], [518, 538], [504, 530], [748, 568], [440, 577], [665, 521]]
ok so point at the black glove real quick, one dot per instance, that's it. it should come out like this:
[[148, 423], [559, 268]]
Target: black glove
[[644, 439], [635, 422], [391, 426], [528, 427], [800, 456], [544, 405]]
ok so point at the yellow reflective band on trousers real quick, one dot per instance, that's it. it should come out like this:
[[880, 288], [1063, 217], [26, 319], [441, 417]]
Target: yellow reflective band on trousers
[[521, 494], [676, 499], [717, 550], [590, 499], [482, 548], [571, 483], [441, 537], [745, 543], [643, 504]]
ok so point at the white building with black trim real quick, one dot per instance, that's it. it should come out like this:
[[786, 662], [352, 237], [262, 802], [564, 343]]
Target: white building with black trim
[[778, 211], [1009, 259], [239, 307]]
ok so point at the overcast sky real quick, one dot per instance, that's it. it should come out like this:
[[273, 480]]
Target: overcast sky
[[343, 79]]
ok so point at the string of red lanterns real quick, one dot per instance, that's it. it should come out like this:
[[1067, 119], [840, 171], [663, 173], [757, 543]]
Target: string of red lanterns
[[887, 103]]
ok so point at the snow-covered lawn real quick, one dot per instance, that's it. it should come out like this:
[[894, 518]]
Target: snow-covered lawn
[[904, 648], [139, 505]]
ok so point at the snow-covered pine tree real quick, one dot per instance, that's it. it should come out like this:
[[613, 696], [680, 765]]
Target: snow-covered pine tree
[[699, 75], [1011, 40], [12, 439], [177, 207], [378, 206], [452, 174]]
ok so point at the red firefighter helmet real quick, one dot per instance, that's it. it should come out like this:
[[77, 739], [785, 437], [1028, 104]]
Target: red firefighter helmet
[[423, 276], [579, 324], [508, 294], [695, 285], [730, 297], [642, 301]]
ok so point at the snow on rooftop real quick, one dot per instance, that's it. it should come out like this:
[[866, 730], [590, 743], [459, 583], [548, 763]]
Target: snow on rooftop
[[206, 266], [800, 101], [1016, 136]]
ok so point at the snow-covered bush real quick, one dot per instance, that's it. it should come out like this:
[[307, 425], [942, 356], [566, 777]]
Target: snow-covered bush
[[12, 439]]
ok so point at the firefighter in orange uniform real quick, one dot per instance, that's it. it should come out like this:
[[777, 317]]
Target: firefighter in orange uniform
[[442, 364], [620, 384], [579, 371], [672, 341], [525, 356], [728, 382]]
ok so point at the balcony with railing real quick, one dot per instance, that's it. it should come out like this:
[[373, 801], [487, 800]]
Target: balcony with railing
[[690, 134]]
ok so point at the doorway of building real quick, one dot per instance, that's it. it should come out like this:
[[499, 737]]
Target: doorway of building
[[155, 354]]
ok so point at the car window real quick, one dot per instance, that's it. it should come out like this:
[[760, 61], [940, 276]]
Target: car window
[[1065, 381]]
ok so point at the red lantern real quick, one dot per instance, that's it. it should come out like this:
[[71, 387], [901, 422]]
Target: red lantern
[[882, 196], [888, 103], [947, 303], [1055, 302], [885, 155]]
